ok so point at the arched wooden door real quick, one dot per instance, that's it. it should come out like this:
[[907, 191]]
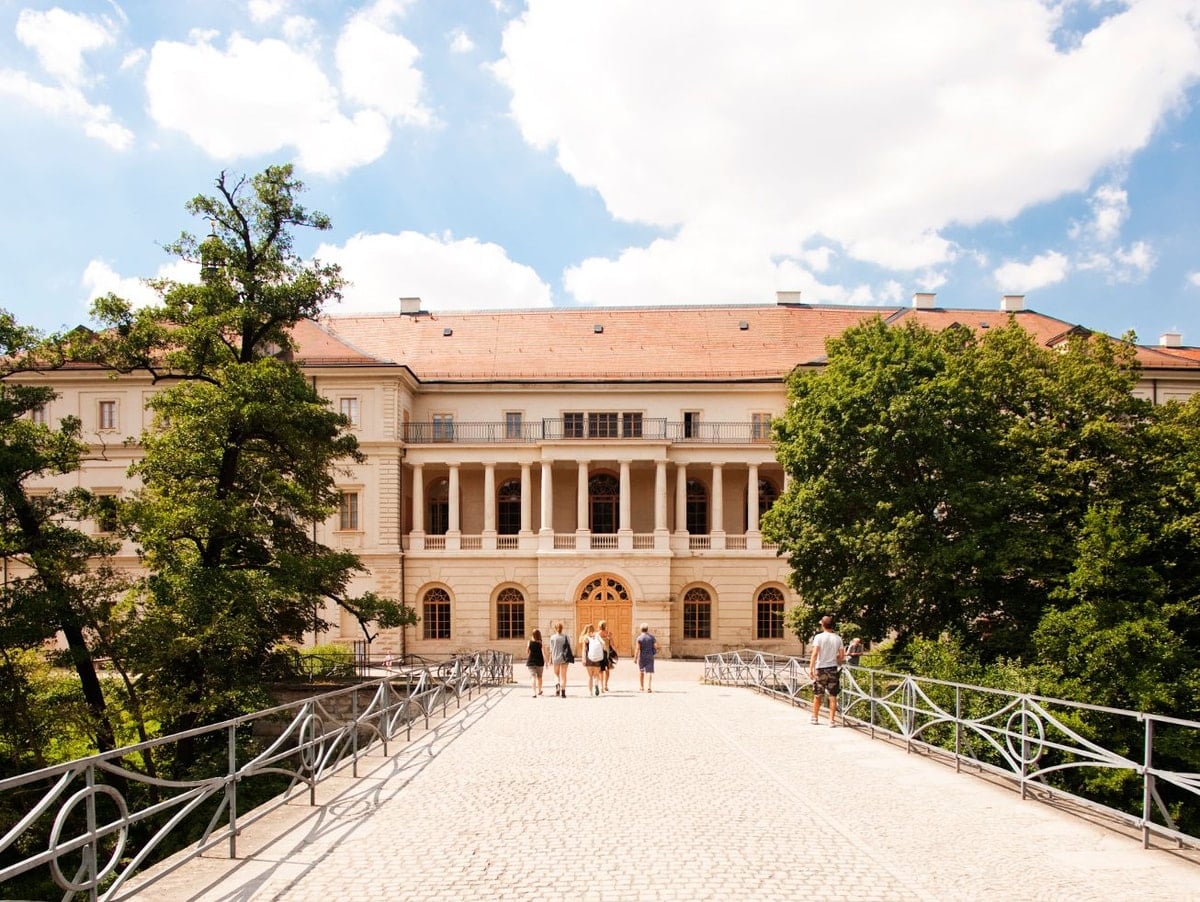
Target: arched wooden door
[[605, 597]]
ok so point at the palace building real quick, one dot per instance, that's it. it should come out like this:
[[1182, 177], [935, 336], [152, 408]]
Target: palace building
[[581, 464]]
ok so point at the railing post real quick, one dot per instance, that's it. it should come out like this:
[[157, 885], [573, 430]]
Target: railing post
[[957, 729], [386, 732], [354, 732], [231, 789], [872, 684], [1147, 782], [91, 863], [1024, 743]]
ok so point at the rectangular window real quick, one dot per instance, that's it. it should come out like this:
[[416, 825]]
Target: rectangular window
[[697, 620], [348, 511], [631, 425], [38, 415], [572, 425], [512, 425], [510, 620], [770, 620], [691, 424], [437, 620], [106, 513], [348, 407], [760, 427], [602, 425], [443, 427], [108, 415]]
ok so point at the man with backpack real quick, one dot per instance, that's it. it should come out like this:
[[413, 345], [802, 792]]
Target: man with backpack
[[825, 667]]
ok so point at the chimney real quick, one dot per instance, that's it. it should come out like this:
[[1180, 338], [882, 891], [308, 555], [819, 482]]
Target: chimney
[[1011, 303], [783, 298], [410, 306], [924, 300], [1171, 339]]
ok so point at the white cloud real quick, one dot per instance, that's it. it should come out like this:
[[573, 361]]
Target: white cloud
[[255, 98], [1121, 264], [69, 103], [460, 42], [99, 279], [1110, 209], [873, 125], [447, 273], [1194, 278], [378, 70], [1044, 269], [60, 39], [266, 10]]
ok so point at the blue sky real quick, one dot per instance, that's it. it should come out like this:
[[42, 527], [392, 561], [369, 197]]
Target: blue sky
[[491, 154]]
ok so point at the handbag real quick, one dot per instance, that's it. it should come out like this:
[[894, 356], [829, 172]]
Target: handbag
[[612, 657], [568, 655]]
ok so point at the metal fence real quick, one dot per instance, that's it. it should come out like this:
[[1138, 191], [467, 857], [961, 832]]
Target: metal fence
[[95, 822], [1136, 767]]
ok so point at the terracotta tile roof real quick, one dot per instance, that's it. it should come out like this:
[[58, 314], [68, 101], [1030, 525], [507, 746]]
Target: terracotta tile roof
[[634, 344], [654, 343], [316, 346]]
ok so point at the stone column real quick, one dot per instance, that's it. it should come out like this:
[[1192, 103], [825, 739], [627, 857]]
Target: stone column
[[489, 498], [581, 498], [660, 496], [717, 530], [526, 500], [680, 498], [418, 481], [752, 499], [626, 513], [547, 499], [455, 514]]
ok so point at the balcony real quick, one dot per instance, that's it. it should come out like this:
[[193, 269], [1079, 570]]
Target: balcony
[[678, 543], [608, 430]]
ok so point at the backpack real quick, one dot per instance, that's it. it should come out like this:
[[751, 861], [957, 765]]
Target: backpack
[[595, 649]]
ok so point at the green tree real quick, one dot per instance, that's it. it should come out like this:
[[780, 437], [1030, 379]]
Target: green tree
[[240, 461], [938, 479], [55, 580]]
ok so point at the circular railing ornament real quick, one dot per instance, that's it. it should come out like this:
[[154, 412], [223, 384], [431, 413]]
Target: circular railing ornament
[[60, 822], [1017, 728]]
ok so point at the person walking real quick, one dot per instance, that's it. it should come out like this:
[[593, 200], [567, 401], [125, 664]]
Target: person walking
[[535, 660], [606, 665], [594, 650], [824, 667], [560, 657], [854, 651], [647, 648]]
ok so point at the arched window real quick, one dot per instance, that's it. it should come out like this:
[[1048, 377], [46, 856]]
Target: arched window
[[697, 508], [604, 502], [436, 614], [510, 614], [769, 614], [697, 614], [508, 507], [439, 507]]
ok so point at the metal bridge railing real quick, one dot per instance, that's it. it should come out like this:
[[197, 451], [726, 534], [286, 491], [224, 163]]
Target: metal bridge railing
[[1041, 746], [96, 822]]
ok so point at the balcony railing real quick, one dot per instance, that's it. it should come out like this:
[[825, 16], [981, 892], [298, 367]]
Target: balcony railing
[[589, 541], [560, 429]]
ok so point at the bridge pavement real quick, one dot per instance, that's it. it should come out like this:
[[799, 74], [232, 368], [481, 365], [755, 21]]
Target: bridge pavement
[[692, 792]]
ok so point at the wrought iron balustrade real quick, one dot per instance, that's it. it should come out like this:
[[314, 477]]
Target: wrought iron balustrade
[[1136, 767], [561, 429], [93, 824]]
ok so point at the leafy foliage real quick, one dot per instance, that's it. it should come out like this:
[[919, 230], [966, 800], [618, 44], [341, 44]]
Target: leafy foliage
[[242, 459]]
